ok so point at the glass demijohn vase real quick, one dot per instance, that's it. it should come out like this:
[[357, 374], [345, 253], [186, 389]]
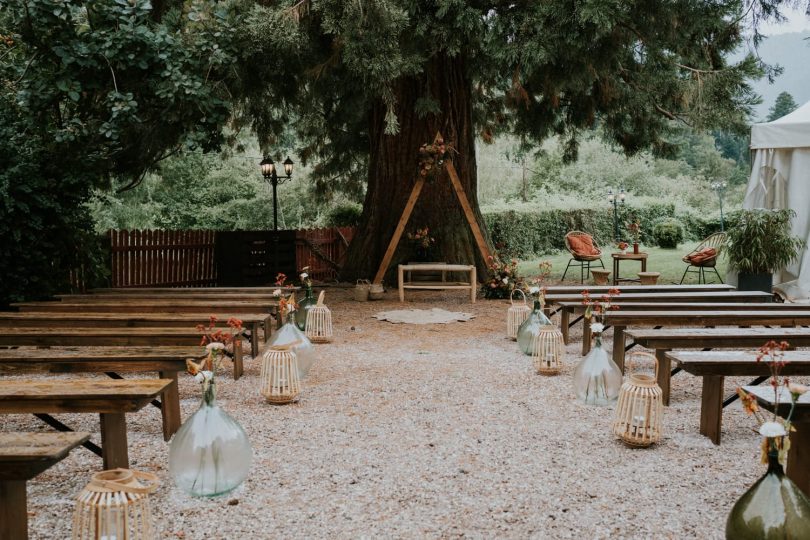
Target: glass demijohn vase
[[531, 327], [210, 454], [304, 349], [308, 302], [773, 508], [597, 379]]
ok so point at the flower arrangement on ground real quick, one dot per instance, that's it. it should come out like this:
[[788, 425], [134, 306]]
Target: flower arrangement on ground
[[503, 277]]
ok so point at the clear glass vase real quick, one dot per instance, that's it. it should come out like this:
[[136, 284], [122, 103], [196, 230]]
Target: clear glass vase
[[531, 327], [304, 350], [210, 454], [773, 508], [597, 378], [308, 302]]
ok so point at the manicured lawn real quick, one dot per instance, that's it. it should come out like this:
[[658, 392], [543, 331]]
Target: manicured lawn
[[666, 261]]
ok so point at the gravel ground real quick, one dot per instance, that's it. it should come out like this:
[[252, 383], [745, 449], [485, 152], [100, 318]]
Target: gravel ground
[[431, 431]]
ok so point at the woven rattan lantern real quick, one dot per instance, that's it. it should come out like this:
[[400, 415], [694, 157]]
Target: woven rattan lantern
[[640, 406], [319, 322], [280, 381], [115, 506], [516, 314], [548, 350]]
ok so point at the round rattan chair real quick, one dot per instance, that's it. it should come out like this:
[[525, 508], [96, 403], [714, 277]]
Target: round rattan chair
[[716, 241], [579, 259]]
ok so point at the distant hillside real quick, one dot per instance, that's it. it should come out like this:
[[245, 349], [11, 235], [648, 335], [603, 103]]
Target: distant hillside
[[792, 52]]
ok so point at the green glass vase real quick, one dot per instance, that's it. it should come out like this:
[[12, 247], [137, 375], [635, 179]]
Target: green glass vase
[[531, 327], [774, 508], [308, 302]]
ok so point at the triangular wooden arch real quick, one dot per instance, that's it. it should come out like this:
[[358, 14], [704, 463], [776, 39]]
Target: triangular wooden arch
[[406, 215]]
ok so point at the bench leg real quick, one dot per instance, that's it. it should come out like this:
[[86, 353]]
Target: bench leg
[[254, 339], [13, 510], [114, 440], [663, 374], [565, 315], [711, 407], [238, 367], [171, 406], [587, 336], [618, 346], [798, 466], [268, 328]]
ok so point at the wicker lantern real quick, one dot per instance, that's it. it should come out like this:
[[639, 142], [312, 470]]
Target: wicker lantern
[[548, 350], [280, 382], [319, 322], [640, 406], [115, 505], [516, 314]]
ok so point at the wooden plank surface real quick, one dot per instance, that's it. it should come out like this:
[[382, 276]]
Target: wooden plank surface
[[403, 220], [600, 289], [669, 296], [737, 363], [676, 338], [175, 291], [119, 305], [483, 249], [578, 307], [184, 296], [19, 446], [89, 318], [433, 267], [707, 317], [102, 354], [31, 390]]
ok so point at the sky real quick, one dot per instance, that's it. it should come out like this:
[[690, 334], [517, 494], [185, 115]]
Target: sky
[[798, 21]]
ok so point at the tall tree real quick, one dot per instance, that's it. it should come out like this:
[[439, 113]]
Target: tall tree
[[373, 80], [784, 105]]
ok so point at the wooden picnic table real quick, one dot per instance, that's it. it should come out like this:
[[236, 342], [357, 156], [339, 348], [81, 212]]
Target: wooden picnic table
[[577, 308], [250, 321], [666, 339], [621, 319], [22, 457], [102, 337], [110, 399], [798, 462], [166, 361], [715, 366]]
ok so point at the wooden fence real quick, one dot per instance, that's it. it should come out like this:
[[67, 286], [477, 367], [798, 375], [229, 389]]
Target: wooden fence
[[189, 258]]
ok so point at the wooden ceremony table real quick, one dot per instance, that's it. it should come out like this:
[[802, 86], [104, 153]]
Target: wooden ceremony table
[[166, 361], [798, 461], [663, 340], [471, 284], [714, 366], [618, 257], [102, 337], [22, 457], [110, 399]]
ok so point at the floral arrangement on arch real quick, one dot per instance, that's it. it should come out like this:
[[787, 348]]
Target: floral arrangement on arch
[[421, 238], [503, 277], [597, 307], [216, 341], [432, 157], [775, 431]]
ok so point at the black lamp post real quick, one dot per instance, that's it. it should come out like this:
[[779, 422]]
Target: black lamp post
[[269, 172], [720, 188], [616, 200]]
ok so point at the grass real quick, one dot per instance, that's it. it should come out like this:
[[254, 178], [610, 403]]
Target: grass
[[666, 261]]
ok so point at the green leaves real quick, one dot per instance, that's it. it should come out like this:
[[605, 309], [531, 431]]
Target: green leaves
[[760, 241]]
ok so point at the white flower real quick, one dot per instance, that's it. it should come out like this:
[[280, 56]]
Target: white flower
[[534, 290], [505, 280], [277, 292], [597, 328], [797, 389], [304, 275], [215, 346], [772, 429]]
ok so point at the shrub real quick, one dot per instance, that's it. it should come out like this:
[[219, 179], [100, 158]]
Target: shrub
[[760, 242], [668, 233], [345, 215]]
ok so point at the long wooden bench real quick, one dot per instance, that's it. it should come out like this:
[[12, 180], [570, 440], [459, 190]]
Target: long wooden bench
[[663, 340], [110, 337], [110, 399], [166, 361], [715, 366], [567, 309], [798, 462], [471, 284], [22, 457], [253, 322], [601, 289], [106, 304], [193, 290], [196, 296]]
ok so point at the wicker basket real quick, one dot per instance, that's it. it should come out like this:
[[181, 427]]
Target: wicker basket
[[361, 290], [640, 407], [319, 322], [376, 291], [516, 314], [279, 376], [115, 504], [548, 350]]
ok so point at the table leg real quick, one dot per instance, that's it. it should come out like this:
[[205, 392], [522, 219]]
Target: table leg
[[711, 407], [644, 264], [171, 406], [587, 336], [238, 366], [13, 510], [401, 285], [618, 346], [615, 271], [798, 466], [473, 283], [114, 440], [664, 374], [565, 315]]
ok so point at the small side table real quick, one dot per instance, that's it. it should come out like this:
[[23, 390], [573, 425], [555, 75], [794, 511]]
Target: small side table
[[617, 257]]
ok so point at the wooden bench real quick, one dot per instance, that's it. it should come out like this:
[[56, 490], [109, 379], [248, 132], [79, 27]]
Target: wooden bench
[[663, 340], [601, 289], [171, 295], [166, 361], [110, 337], [253, 322], [470, 285], [798, 461], [110, 399], [22, 457], [193, 290], [715, 366]]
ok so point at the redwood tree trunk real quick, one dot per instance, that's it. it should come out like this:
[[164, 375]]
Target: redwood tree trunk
[[393, 171]]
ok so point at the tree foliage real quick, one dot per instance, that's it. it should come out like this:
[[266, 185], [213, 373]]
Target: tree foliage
[[783, 105]]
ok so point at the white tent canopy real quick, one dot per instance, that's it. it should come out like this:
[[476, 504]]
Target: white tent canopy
[[780, 178]]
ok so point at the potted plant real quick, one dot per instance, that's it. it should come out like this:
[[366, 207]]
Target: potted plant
[[760, 243]]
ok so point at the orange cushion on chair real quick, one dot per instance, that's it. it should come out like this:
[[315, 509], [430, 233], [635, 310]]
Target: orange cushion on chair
[[703, 255], [583, 245]]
